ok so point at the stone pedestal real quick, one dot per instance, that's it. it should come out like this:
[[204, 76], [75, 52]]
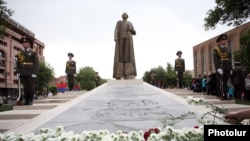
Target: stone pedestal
[[125, 82]]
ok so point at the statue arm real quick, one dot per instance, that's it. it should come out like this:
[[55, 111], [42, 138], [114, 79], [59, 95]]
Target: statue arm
[[116, 32], [131, 28]]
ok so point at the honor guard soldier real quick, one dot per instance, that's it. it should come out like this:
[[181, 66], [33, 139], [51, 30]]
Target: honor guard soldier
[[179, 68], [70, 71], [223, 65], [27, 68]]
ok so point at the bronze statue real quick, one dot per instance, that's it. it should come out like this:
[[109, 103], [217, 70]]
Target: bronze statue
[[124, 59]]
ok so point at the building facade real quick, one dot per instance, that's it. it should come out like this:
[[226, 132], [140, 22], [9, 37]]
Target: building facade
[[203, 52], [9, 47]]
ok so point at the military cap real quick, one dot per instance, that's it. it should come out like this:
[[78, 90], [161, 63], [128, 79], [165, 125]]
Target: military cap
[[179, 52], [237, 63], [221, 37], [71, 54], [26, 39]]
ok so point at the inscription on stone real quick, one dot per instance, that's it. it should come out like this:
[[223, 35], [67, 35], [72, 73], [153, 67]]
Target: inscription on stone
[[129, 109]]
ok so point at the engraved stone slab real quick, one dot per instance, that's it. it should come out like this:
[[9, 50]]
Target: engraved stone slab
[[122, 107]]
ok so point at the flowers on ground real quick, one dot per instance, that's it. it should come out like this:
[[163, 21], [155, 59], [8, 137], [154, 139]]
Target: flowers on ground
[[195, 100], [154, 134]]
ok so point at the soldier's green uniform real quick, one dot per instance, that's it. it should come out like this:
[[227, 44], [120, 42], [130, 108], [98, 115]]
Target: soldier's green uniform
[[70, 71], [223, 65], [27, 67], [179, 67]]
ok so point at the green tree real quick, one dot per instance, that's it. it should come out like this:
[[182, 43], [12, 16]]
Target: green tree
[[4, 14], [242, 54], [44, 77], [146, 76], [86, 77], [171, 76], [167, 76], [228, 12]]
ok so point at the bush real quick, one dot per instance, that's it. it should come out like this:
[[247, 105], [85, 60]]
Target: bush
[[53, 89], [87, 85], [6, 107]]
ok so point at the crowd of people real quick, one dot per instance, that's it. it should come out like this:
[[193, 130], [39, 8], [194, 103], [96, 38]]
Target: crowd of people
[[229, 81], [238, 86]]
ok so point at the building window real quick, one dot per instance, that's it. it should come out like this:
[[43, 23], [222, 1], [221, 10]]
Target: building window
[[210, 59], [3, 43], [195, 64], [203, 68]]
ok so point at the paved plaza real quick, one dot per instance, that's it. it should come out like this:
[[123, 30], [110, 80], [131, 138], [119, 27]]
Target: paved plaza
[[126, 105]]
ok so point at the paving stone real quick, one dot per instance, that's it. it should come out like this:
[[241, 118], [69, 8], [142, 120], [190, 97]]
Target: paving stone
[[34, 107], [17, 116], [23, 115], [51, 101]]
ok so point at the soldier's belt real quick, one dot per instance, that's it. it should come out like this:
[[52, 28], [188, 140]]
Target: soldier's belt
[[27, 63]]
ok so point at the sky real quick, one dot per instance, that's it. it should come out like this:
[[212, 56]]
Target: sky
[[86, 28]]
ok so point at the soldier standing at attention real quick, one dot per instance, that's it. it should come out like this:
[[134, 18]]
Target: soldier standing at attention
[[27, 67], [223, 65], [70, 71], [179, 68]]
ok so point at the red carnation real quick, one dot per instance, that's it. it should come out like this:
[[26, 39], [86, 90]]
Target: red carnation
[[156, 130], [196, 126], [146, 135]]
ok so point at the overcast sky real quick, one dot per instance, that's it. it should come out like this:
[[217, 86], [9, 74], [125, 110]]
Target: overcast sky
[[86, 28]]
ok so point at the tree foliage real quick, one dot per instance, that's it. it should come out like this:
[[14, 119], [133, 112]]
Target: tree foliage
[[242, 54], [44, 76], [4, 13], [86, 77], [228, 12], [167, 76]]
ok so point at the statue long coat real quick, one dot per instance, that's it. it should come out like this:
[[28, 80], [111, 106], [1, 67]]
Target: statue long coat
[[124, 58]]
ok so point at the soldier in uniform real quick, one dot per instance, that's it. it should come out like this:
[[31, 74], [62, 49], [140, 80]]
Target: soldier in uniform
[[223, 65], [179, 68], [27, 68], [70, 71]]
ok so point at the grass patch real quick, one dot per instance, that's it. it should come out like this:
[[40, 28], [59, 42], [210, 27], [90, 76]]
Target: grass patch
[[245, 102], [6, 107]]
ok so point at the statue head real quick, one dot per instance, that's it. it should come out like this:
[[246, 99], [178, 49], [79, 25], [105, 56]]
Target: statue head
[[125, 15]]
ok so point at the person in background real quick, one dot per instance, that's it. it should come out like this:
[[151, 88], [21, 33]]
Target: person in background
[[62, 87], [238, 80], [179, 68], [230, 90], [247, 87], [152, 78], [50, 93], [209, 81], [70, 71], [27, 68], [223, 65], [238, 116], [97, 79], [204, 84]]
